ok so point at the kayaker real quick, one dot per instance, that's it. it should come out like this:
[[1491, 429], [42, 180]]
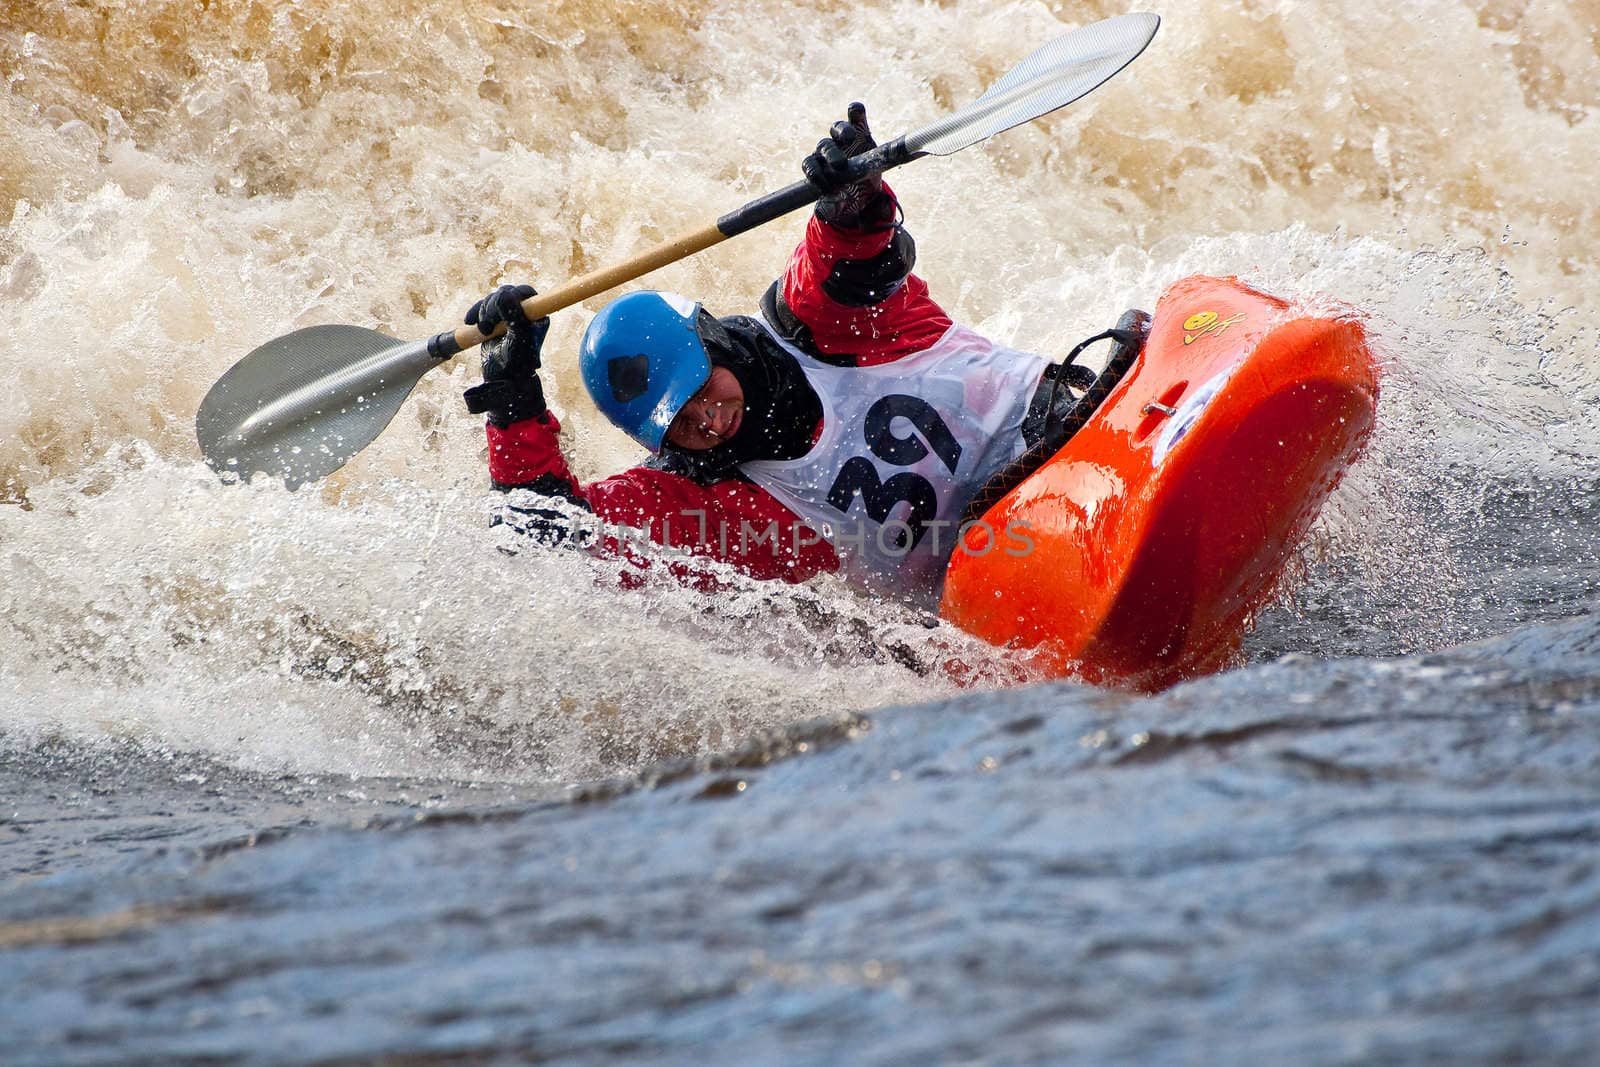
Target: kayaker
[[846, 428]]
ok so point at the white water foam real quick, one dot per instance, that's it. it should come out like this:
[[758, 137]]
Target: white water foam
[[187, 189]]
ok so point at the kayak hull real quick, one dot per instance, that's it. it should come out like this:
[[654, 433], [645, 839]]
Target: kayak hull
[[1137, 555]]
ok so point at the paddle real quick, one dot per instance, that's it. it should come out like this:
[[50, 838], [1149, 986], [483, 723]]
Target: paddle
[[301, 406]]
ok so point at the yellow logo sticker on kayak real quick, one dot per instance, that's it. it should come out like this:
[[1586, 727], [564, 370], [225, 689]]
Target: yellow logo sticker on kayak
[[1201, 323]]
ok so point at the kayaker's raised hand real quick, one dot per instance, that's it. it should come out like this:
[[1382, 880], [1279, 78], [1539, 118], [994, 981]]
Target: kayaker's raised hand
[[851, 204], [827, 168], [511, 390]]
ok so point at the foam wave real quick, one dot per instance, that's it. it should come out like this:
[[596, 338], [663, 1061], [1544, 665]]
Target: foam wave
[[187, 189], [397, 636]]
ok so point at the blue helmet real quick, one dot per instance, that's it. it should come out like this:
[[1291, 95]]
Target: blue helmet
[[642, 359]]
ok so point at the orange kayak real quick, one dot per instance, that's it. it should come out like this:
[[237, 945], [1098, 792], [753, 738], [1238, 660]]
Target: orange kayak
[[1138, 553]]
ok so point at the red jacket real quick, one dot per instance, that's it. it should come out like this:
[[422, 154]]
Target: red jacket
[[734, 521]]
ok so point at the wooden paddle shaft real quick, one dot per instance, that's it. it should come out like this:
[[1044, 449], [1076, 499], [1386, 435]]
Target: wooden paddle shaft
[[537, 307], [757, 212], [598, 281]]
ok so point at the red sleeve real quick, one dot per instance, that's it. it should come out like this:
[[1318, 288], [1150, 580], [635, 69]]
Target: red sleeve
[[908, 321], [526, 450], [730, 521]]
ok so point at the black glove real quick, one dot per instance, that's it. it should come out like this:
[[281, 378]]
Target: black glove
[[857, 205], [510, 391]]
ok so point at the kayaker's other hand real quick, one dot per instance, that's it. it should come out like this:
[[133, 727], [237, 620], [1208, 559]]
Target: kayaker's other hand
[[851, 204], [511, 390], [828, 167]]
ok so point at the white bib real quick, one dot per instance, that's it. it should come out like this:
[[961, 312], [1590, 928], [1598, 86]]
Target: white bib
[[904, 446]]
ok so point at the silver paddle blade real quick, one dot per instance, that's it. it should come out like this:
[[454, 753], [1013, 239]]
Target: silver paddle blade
[[1053, 77], [300, 406]]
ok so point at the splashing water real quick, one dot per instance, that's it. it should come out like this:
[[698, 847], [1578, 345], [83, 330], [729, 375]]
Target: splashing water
[[189, 183]]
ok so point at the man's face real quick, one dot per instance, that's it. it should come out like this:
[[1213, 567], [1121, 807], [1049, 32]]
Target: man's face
[[711, 416]]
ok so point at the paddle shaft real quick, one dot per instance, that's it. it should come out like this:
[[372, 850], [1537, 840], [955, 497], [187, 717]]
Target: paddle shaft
[[757, 212]]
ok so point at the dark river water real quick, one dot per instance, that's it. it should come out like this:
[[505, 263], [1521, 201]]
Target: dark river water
[[1313, 859]]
